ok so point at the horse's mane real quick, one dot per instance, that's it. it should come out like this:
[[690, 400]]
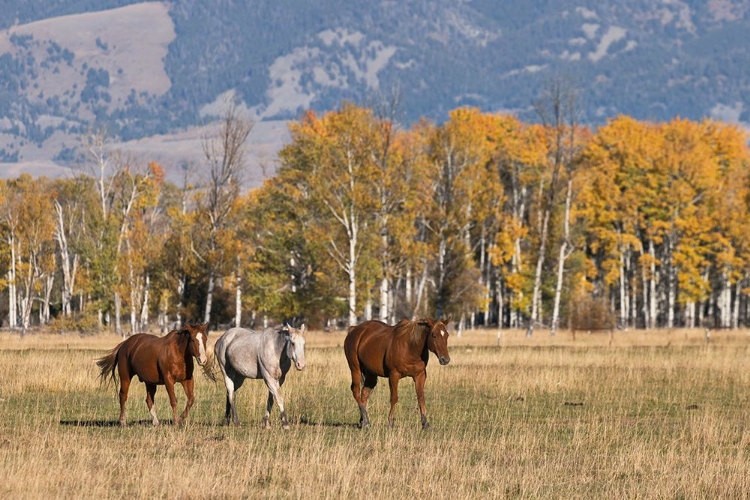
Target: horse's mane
[[412, 330]]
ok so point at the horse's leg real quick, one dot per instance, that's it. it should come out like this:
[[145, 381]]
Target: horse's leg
[[370, 382], [393, 379], [419, 381], [274, 394], [150, 392], [169, 385], [357, 393], [267, 416], [232, 383], [189, 386], [125, 377]]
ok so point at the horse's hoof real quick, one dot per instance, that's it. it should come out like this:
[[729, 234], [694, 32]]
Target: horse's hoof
[[285, 427], [425, 426], [155, 423]]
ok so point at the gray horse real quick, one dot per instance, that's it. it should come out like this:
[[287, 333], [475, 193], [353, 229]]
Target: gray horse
[[267, 354]]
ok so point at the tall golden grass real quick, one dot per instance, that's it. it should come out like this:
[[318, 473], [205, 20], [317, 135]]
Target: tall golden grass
[[655, 414]]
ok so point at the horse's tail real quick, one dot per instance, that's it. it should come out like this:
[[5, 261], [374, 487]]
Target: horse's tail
[[108, 367]]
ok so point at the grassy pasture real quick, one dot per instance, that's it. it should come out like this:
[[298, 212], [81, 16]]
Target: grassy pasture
[[659, 414]]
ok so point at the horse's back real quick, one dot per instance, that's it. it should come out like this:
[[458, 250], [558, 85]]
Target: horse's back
[[366, 344], [223, 342], [238, 349], [140, 353], [137, 347]]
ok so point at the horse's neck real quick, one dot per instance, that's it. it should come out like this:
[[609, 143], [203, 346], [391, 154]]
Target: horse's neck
[[277, 342], [419, 346], [176, 341]]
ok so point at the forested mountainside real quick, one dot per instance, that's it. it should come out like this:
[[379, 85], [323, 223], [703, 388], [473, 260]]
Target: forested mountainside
[[145, 68]]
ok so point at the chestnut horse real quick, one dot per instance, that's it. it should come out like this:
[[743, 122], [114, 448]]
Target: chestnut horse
[[157, 361], [374, 349]]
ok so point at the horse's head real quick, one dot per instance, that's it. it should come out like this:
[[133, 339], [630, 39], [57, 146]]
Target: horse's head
[[437, 338], [198, 336], [295, 345]]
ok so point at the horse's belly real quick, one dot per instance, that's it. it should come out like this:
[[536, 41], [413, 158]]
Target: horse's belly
[[244, 368], [372, 368], [147, 380], [150, 378]]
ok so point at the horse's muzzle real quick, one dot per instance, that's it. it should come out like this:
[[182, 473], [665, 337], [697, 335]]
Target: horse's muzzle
[[300, 366], [444, 360]]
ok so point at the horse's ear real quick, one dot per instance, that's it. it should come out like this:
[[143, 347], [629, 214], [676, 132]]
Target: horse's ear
[[448, 320], [302, 329]]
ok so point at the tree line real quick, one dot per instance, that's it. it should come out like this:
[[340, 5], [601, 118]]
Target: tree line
[[484, 217]]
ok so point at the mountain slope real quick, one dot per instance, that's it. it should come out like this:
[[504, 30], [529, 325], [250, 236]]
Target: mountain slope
[[154, 68]]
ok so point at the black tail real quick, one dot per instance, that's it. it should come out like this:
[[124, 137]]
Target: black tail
[[107, 366]]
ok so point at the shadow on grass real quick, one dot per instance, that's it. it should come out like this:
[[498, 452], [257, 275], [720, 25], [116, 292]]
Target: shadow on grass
[[131, 423], [323, 423], [100, 423]]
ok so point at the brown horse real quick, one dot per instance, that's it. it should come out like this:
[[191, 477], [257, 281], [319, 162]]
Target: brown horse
[[374, 349], [157, 361]]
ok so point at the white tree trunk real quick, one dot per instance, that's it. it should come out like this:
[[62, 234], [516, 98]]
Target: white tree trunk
[[12, 286], [652, 285], [163, 315], [144, 307], [671, 287], [238, 296], [420, 292], [352, 297], [484, 279], [118, 306], [133, 306], [690, 314], [558, 288], [12, 299], [367, 312], [536, 294], [736, 306], [209, 298], [500, 305], [62, 242], [562, 258], [726, 303], [180, 292], [646, 316], [408, 287], [441, 272], [623, 292], [384, 293], [44, 311]]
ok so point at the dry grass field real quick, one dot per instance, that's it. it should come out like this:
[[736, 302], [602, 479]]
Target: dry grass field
[[658, 414]]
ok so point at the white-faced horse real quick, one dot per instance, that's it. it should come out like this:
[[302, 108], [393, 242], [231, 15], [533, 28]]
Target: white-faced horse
[[268, 354]]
